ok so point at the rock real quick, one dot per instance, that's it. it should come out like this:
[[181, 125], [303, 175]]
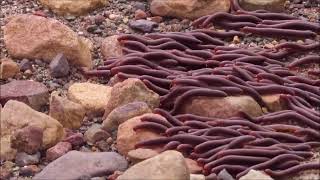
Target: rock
[[58, 150], [28, 139], [253, 174], [25, 64], [143, 25], [75, 139], [29, 170], [99, 19], [222, 107], [24, 159], [157, 19], [6, 152], [225, 175], [190, 9], [78, 7], [46, 38], [139, 14], [68, 113], [193, 166], [32, 93], [110, 47], [75, 164], [274, 103], [141, 154], [127, 138], [197, 177], [95, 133], [167, 165], [131, 90], [102, 145], [8, 68], [16, 115], [270, 5], [59, 66], [93, 97], [123, 113]]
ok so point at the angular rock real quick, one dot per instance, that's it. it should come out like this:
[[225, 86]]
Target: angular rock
[[190, 9], [111, 47], [32, 93], [93, 97], [46, 38], [225, 175], [123, 113], [68, 113], [75, 164], [197, 177], [16, 115], [193, 166], [59, 66], [58, 150], [131, 90], [24, 159], [270, 5], [139, 14], [127, 138], [143, 25], [75, 139], [95, 133], [27, 139], [141, 154], [222, 107], [274, 103], [8, 68], [253, 174], [167, 165], [78, 7]]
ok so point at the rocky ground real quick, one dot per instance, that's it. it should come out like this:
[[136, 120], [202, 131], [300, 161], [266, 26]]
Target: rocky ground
[[85, 102]]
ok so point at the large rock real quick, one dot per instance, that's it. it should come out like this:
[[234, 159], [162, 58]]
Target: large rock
[[270, 5], [28, 139], [111, 47], [75, 165], [127, 137], [131, 90], [222, 107], [167, 165], [68, 113], [33, 93], [46, 38], [140, 154], [123, 113], [188, 8], [78, 7], [16, 115], [8, 68], [93, 97]]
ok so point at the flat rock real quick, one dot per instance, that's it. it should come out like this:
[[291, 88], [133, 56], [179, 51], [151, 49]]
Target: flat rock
[[270, 5], [222, 107], [8, 68], [28, 139], [32, 93], [78, 7], [59, 66], [253, 174], [93, 97], [140, 154], [143, 25], [123, 113], [131, 90], [75, 165], [190, 9], [110, 47], [46, 38], [167, 165], [16, 115]]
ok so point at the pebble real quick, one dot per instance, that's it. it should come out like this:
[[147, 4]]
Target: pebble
[[58, 150], [99, 19], [143, 25], [95, 133], [25, 64], [139, 5], [103, 146], [59, 66], [139, 14], [23, 159]]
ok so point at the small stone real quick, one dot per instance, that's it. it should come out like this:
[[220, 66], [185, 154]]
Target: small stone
[[236, 40], [58, 150], [24, 159], [99, 19], [75, 139], [8, 68], [70, 17], [29, 170], [59, 66], [253, 174], [269, 45], [91, 28], [27, 139], [141, 154], [25, 64], [102, 145], [143, 25], [95, 133], [139, 14], [157, 19], [113, 16]]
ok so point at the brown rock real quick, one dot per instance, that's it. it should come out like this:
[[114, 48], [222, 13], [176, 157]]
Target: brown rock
[[131, 90], [274, 103], [127, 138], [123, 113], [78, 7], [33, 93], [58, 150], [222, 107], [193, 166], [270, 5], [27, 139], [93, 97], [46, 38], [68, 113], [139, 14], [111, 47], [141, 154], [157, 19], [95, 133], [191, 9], [8, 68]]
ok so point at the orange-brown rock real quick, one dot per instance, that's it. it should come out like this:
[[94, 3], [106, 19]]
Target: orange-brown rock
[[111, 47], [8, 68]]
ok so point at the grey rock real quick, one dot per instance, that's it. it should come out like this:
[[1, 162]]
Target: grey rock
[[143, 25], [25, 64], [24, 159], [59, 66]]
